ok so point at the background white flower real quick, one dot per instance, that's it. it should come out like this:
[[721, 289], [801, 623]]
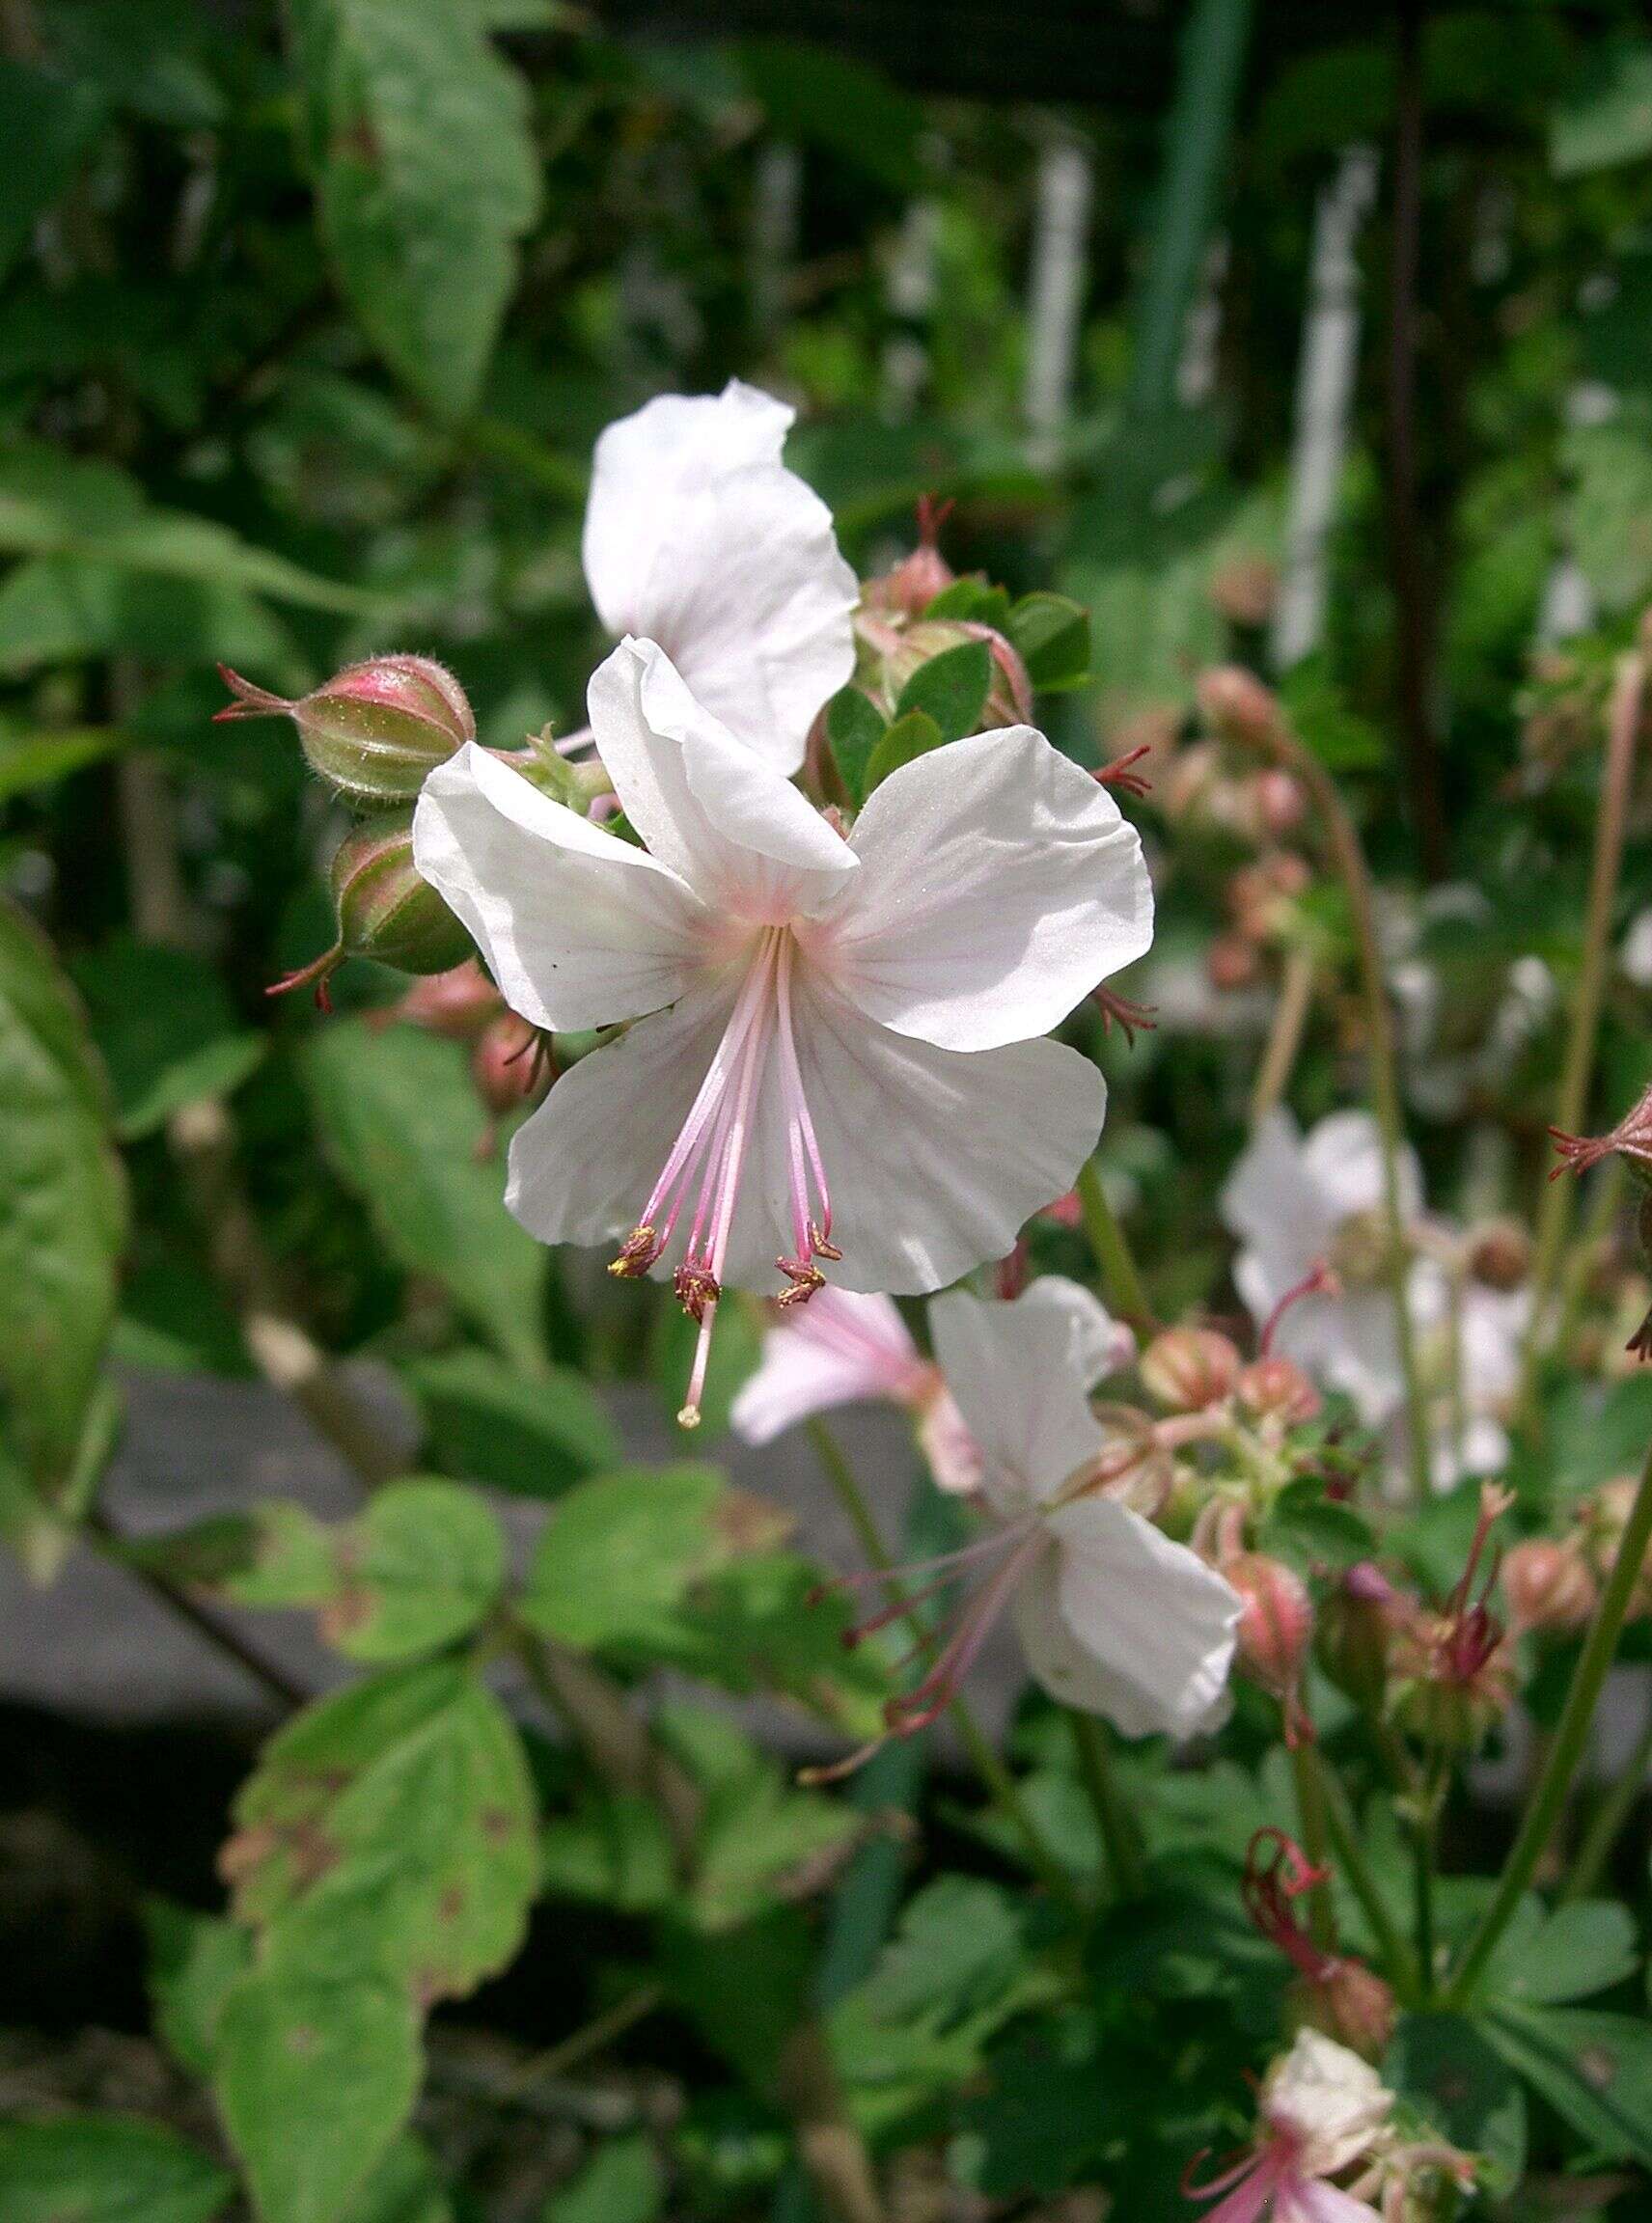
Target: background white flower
[[698, 538]]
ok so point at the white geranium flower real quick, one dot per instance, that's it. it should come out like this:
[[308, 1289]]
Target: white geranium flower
[[1115, 1618], [1469, 1349], [1299, 1203], [843, 1349], [1321, 2109], [836, 1056], [698, 538]]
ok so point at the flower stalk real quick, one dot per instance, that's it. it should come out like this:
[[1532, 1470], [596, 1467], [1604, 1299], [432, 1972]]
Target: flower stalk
[[1123, 1284], [1550, 1791]]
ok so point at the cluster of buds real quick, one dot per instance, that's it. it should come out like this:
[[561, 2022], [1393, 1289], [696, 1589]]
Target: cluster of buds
[[510, 1065], [1219, 782], [373, 732], [1333, 1992], [907, 617]]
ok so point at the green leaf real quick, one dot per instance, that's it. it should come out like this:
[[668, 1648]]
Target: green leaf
[[490, 1424], [1443, 2065], [852, 111], [760, 1836], [1311, 1529], [425, 176], [959, 1947], [1595, 2071], [1548, 1958], [389, 1828], [106, 2169], [622, 2182], [75, 608], [614, 1849], [63, 1209], [974, 601], [854, 728], [165, 1028], [909, 737], [49, 123], [621, 1552], [195, 1962], [744, 1990], [403, 2186], [40, 759], [53, 504], [315, 2077], [1605, 117], [951, 689], [399, 1118], [1051, 633]]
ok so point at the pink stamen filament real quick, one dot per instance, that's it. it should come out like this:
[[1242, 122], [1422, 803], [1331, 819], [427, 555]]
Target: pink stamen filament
[[915, 1708], [1318, 1281], [708, 1157]]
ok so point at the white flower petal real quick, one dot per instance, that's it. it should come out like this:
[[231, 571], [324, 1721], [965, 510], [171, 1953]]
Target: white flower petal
[[997, 886], [1157, 1625], [1011, 1369], [744, 839], [1342, 1157], [840, 1346], [935, 1158], [1333, 2101], [1268, 1204], [1100, 1345], [582, 1165], [698, 537], [579, 929]]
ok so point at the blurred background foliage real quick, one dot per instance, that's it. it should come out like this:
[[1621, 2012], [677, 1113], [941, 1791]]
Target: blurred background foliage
[[310, 316]]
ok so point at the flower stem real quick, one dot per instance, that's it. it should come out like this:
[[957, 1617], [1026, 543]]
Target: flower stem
[[1424, 1847], [1311, 1807], [1284, 1037], [1555, 1204], [1549, 1793], [1000, 1783], [1113, 1819], [1123, 1284], [1344, 1837], [1349, 857], [1608, 1820]]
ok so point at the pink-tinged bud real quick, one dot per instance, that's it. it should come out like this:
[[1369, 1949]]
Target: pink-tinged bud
[[1549, 1585], [457, 1005], [1237, 705], [385, 911], [1191, 773], [1499, 1255], [1187, 1369], [1350, 2003], [893, 654], [1260, 896], [1281, 804], [1231, 963], [376, 729], [909, 588], [1356, 1635], [507, 1064], [1276, 1388], [1276, 1625], [1243, 589]]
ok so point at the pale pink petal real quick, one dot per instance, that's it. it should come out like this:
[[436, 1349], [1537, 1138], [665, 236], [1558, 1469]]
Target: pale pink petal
[[1311, 2200], [749, 844], [952, 1454], [578, 928], [837, 1348], [1010, 1370], [698, 537], [997, 886]]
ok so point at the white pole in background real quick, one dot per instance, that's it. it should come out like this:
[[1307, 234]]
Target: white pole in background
[[1060, 227], [1324, 399]]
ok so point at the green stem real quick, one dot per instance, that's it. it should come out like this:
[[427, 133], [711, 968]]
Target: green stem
[[1549, 1794], [1555, 1205], [1608, 1820], [1120, 1834], [1311, 1807], [1349, 859], [1343, 1832], [1424, 1836], [994, 1774], [1119, 1277]]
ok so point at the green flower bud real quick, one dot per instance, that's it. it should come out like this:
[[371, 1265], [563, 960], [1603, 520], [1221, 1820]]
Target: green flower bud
[[385, 910], [376, 729]]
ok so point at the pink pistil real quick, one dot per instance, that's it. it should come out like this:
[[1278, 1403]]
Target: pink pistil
[[702, 1174], [1318, 1281]]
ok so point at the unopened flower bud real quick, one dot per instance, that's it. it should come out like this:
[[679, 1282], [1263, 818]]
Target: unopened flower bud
[[1260, 896], [457, 1005], [1237, 705], [1276, 1388], [1499, 1255], [1281, 804], [1277, 1620], [506, 1065], [1243, 589], [376, 729], [913, 584], [1350, 2003], [898, 652], [1187, 1369], [1549, 1585], [385, 911], [1232, 962], [1356, 1625], [1191, 773]]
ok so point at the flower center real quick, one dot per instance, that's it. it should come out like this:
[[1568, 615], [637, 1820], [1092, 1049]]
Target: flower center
[[701, 1175]]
